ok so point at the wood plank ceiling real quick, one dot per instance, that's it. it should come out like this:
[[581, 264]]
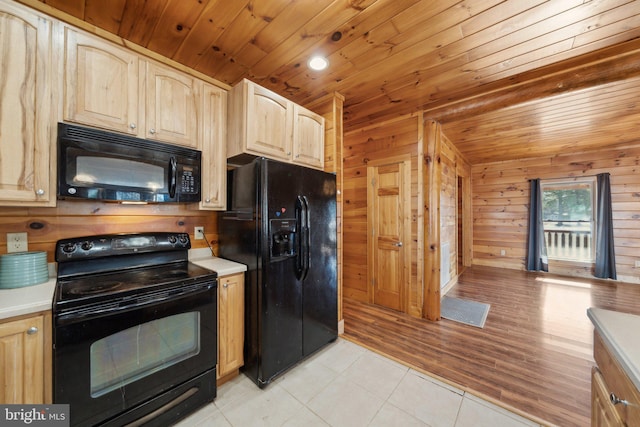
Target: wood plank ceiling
[[508, 79]]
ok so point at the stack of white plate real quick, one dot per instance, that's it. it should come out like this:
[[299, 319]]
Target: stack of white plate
[[21, 269]]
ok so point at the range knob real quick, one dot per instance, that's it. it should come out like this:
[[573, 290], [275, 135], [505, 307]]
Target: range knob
[[86, 245], [183, 239], [68, 247], [173, 239]]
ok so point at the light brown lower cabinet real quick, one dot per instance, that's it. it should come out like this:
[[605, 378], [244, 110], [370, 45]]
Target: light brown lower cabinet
[[25, 351], [230, 325], [615, 400]]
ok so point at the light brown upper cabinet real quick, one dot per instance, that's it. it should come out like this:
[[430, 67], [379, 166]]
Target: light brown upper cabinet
[[214, 149], [101, 83], [308, 140], [111, 87], [172, 111], [27, 172], [263, 123]]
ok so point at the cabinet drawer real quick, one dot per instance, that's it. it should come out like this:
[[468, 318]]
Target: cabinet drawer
[[617, 382]]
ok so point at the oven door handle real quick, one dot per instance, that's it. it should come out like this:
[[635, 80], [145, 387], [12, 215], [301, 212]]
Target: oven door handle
[[133, 304]]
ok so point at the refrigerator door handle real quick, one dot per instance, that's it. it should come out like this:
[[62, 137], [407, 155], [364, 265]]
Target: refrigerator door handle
[[307, 237], [300, 256]]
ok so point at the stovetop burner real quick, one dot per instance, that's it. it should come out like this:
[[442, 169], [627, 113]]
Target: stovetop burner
[[94, 288], [129, 283], [100, 269]]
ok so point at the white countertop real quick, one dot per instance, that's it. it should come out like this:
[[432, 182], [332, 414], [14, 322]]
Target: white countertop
[[32, 299], [26, 300], [223, 267], [620, 332]]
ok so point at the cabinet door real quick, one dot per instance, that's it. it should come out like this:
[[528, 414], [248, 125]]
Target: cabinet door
[[100, 83], [603, 413], [172, 105], [308, 140], [230, 323], [22, 370], [27, 116], [214, 149], [269, 123]]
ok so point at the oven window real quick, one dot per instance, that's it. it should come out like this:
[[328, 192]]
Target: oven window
[[118, 172], [134, 353]]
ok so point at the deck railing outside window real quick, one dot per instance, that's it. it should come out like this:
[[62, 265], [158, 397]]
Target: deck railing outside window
[[569, 240]]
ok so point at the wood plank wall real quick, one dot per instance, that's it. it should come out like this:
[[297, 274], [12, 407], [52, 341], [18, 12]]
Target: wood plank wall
[[375, 143], [501, 201], [453, 166], [84, 218]]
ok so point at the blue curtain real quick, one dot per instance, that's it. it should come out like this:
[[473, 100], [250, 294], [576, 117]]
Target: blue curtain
[[537, 247], [605, 254]]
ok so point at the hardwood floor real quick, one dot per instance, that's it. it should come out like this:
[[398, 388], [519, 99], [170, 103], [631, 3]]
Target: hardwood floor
[[534, 353]]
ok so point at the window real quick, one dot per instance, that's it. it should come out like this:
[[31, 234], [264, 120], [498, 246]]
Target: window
[[568, 218]]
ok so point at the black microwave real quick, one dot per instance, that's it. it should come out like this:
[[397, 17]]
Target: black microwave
[[95, 164]]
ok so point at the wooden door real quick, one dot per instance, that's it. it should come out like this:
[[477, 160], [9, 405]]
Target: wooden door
[[269, 123], [388, 213], [27, 116], [100, 83], [308, 141], [172, 107], [230, 324], [22, 370]]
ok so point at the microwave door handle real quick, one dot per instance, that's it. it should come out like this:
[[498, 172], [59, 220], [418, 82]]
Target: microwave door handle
[[173, 172]]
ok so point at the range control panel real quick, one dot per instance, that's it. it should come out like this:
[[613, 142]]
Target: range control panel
[[91, 247]]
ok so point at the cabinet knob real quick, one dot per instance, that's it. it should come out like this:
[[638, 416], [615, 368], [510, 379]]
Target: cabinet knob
[[32, 330], [226, 285], [152, 131], [40, 192], [132, 125], [615, 400], [207, 200]]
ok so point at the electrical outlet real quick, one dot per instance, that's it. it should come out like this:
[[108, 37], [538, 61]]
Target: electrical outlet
[[17, 242], [637, 264], [198, 233], [503, 252]]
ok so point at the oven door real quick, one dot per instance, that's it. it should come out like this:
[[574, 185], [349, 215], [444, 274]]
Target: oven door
[[108, 363]]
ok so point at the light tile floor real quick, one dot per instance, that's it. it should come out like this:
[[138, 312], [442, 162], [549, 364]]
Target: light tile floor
[[347, 385]]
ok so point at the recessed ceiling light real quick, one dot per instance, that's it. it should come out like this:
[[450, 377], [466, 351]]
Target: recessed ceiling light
[[318, 63]]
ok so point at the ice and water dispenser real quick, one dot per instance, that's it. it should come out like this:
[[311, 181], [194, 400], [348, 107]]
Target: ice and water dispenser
[[283, 238]]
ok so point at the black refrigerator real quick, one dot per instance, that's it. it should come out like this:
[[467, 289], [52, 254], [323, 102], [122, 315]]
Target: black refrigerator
[[281, 223]]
